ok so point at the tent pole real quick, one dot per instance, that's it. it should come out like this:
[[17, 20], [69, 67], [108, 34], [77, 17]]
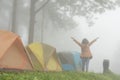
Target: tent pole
[[29, 57]]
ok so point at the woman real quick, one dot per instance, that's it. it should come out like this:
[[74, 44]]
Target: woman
[[85, 52]]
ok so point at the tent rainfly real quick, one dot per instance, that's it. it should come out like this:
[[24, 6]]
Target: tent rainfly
[[12, 52], [43, 57], [70, 61]]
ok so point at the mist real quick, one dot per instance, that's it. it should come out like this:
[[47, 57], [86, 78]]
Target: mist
[[107, 47], [106, 27]]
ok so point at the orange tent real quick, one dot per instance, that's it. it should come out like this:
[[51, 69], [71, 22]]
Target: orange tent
[[12, 52]]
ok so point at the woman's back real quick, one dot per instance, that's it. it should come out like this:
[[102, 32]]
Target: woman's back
[[85, 51]]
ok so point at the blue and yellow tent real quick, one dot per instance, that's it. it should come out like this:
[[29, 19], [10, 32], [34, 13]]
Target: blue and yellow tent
[[70, 61]]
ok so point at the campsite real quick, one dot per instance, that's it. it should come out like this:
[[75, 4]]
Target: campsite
[[59, 39], [40, 61]]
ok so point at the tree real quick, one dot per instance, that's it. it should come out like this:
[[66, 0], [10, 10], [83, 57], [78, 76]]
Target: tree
[[33, 13], [61, 12]]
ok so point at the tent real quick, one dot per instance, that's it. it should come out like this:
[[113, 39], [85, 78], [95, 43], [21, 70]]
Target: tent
[[70, 61], [12, 52], [43, 57]]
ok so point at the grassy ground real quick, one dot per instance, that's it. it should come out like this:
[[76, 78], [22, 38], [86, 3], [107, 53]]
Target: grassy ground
[[57, 76]]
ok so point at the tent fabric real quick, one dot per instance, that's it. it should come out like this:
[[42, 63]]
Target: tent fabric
[[6, 39], [66, 58], [12, 52], [45, 55], [36, 51], [36, 56], [70, 60], [34, 61]]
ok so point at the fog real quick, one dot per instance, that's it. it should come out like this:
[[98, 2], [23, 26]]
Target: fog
[[106, 27], [107, 47]]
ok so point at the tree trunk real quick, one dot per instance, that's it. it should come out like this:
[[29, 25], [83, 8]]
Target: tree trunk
[[32, 22], [42, 25], [32, 19], [13, 23]]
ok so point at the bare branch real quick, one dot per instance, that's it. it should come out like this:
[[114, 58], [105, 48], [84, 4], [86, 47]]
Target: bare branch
[[42, 6]]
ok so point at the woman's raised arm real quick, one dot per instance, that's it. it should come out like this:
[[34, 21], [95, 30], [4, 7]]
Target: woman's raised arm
[[77, 42], [93, 41]]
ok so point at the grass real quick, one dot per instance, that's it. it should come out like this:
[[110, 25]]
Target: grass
[[57, 76]]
